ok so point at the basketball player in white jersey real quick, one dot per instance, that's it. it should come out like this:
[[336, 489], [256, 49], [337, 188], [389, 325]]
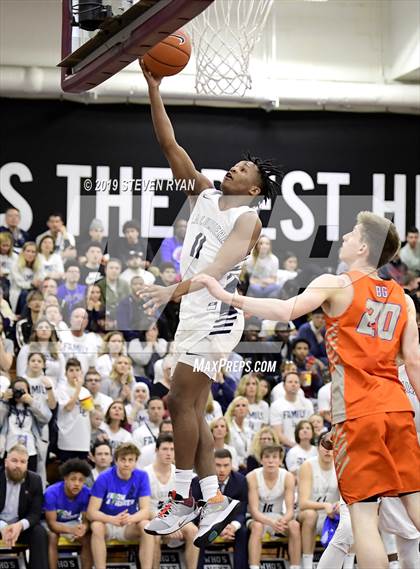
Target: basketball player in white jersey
[[393, 518], [161, 477], [270, 500], [222, 230], [318, 498]]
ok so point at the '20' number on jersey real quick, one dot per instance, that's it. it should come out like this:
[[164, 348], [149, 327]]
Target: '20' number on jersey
[[379, 320]]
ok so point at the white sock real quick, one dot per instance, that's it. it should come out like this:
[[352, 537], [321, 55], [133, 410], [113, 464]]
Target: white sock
[[209, 486], [183, 482], [254, 567], [349, 561], [408, 552], [294, 566], [394, 565], [307, 560]]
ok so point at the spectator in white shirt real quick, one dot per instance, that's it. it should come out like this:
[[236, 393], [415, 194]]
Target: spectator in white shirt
[[41, 386], [324, 402], [149, 429], [73, 420], [286, 413], [137, 409], [93, 384], [278, 390], [145, 353], [7, 255], [79, 343], [148, 452], [5, 310], [304, 449], [51, 263], [317, 421], [221, 434], [53, 314], [25, 273], [240, 432], [6, 349], [113, 346], [22, 418], [267, 436], [259, 410], [63, 240], [120, 381], [135, 268], [410, 253], [213, 409], [43, 339], [115, 418], [262, 267]]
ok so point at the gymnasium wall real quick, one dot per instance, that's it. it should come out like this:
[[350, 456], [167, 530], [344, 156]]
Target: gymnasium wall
[[335, 164]]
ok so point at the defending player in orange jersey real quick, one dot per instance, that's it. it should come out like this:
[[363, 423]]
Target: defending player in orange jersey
[[369, 321]]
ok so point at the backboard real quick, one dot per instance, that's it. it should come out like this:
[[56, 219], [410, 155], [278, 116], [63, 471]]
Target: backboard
[[120, 39]]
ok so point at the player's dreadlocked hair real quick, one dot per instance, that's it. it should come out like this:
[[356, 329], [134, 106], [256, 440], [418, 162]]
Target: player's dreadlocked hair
[[269, 188]]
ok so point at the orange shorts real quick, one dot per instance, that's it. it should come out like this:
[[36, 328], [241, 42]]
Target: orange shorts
[[377, 455]]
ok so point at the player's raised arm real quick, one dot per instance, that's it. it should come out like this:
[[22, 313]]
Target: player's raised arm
[[410, 347], [181, 164]]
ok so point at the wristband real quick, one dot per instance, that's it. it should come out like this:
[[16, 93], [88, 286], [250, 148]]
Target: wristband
[[48, 388]]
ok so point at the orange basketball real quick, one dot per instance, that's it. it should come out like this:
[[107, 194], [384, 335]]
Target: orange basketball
[[170, 56]]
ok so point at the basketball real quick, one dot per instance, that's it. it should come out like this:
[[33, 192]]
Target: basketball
[[170, 56]]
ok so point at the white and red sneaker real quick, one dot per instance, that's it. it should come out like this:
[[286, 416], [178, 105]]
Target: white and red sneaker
[[174, 513]]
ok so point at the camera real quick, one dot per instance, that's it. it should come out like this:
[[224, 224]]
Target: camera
[[17, 393]]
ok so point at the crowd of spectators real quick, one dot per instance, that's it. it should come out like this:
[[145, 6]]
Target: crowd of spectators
[[84, 374]]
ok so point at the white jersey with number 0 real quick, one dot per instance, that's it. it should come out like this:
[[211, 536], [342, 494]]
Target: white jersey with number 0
[[207, 230]]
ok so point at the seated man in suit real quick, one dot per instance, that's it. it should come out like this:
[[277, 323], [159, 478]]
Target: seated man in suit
[[233, 485], [20, 507]]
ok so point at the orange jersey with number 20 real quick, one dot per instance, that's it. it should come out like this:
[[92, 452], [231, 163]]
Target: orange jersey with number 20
[[362, 346]]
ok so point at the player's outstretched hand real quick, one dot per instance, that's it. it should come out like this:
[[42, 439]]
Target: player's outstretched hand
[[214, 288], [155, 296], [152, 80]]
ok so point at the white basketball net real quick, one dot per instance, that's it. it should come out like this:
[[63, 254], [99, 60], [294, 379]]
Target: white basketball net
[[224, 36]]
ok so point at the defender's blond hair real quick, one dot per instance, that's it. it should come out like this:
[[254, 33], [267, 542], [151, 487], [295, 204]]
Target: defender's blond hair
[[381, 236]]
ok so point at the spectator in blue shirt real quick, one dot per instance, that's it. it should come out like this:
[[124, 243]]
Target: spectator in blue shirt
[[71, 292], [65, 505], [171, 247], [119, 507]]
